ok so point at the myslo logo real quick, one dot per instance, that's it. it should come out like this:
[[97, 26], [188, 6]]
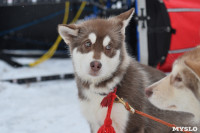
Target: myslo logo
[[194, 129]]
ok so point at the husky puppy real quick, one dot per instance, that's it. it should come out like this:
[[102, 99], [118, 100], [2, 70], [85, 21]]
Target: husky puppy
[[180, 90], [101, 63]]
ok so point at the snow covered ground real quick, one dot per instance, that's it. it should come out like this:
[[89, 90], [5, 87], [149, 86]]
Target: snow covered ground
[[45, 107]]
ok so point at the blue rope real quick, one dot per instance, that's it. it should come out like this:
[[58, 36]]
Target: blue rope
[[27, 40], [2, 33]]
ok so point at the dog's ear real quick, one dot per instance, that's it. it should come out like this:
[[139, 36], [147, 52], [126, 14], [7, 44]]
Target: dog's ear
[[126, 16], [123, 19], [68, 32], [194, 66]]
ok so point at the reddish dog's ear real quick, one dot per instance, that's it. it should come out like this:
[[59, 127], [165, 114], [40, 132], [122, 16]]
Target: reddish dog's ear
[[126, 16], [194, 66], [67, 32], [123, 19]]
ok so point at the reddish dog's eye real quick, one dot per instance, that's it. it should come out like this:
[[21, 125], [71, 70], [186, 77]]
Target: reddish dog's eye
[[178, 79], [88, 44]]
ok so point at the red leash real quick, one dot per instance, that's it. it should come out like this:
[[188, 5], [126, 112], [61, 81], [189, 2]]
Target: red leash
[[108, 102]]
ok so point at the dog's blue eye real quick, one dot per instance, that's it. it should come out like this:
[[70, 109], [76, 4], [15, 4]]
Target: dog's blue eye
[[88, 44], [108, 47]]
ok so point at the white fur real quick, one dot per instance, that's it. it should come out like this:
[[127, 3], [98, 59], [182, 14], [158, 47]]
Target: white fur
[[95, 114], [92, 37], [82, 65], [106, 41], [91, 108]]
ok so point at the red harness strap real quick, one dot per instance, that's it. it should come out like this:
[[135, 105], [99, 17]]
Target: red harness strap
[[108, 102]]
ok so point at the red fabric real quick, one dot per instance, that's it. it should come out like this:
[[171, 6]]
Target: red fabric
[[108, 102], [167, 66], [187, 26], [181, 3]]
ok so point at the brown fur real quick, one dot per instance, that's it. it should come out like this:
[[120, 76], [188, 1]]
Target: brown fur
[[131, 84], [134, 77], [191, 82], [194, 65], [192, 60], [101, 32]]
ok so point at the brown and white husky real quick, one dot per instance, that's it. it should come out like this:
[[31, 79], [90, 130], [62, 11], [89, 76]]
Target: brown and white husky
[[180, 90], [101, 63]]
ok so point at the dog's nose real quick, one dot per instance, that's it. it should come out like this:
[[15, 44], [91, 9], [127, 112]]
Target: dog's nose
[[149, 92], [95, 65]]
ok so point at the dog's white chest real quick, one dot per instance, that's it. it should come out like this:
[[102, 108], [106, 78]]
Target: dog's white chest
[[95, 114]]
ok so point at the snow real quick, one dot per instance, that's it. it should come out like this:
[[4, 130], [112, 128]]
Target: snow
[[45, 107], [49, 67]]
